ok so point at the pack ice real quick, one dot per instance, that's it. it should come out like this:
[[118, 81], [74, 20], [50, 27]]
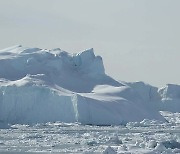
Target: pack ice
[[40, 85]]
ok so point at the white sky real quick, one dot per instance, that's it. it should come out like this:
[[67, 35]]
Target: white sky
[[138, 39]]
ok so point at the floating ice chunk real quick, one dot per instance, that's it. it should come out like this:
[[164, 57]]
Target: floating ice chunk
[[160, 147], [109, 150], [115, 140], [152, 144], [172, 144]]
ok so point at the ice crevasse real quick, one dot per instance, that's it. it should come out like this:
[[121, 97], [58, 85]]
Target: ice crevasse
[[40, 85]]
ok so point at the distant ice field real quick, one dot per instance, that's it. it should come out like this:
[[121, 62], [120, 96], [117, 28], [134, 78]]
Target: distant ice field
[[147, 136]]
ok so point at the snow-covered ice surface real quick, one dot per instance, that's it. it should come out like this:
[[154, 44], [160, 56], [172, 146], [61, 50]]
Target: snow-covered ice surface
[[147, 136], [51, 100]]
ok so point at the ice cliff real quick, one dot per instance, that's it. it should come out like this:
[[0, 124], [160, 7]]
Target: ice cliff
[[40, 85]]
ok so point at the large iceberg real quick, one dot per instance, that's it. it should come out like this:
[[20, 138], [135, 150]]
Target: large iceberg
[[40, 85]]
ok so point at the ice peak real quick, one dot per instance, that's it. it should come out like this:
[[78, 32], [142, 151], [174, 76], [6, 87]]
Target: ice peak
[[90, 51], [88, 62], [87, 54]]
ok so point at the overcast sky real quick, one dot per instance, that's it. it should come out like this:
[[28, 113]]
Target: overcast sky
[[138, 39]]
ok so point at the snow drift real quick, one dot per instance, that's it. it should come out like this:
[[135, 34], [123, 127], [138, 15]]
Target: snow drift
[[40, 85]]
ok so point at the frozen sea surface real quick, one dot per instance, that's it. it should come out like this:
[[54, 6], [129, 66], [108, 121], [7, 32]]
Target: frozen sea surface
[[147, 136]]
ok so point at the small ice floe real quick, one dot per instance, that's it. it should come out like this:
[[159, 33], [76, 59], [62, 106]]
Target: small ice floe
[[168, 147], [172, 144], [122, 148], [109, 150], [152, 144], [160, 147], [115, 140]]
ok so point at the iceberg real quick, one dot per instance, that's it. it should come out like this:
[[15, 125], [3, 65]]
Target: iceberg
[[40, 85]]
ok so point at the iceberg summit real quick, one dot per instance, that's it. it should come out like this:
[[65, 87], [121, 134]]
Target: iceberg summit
[[40, 85]]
